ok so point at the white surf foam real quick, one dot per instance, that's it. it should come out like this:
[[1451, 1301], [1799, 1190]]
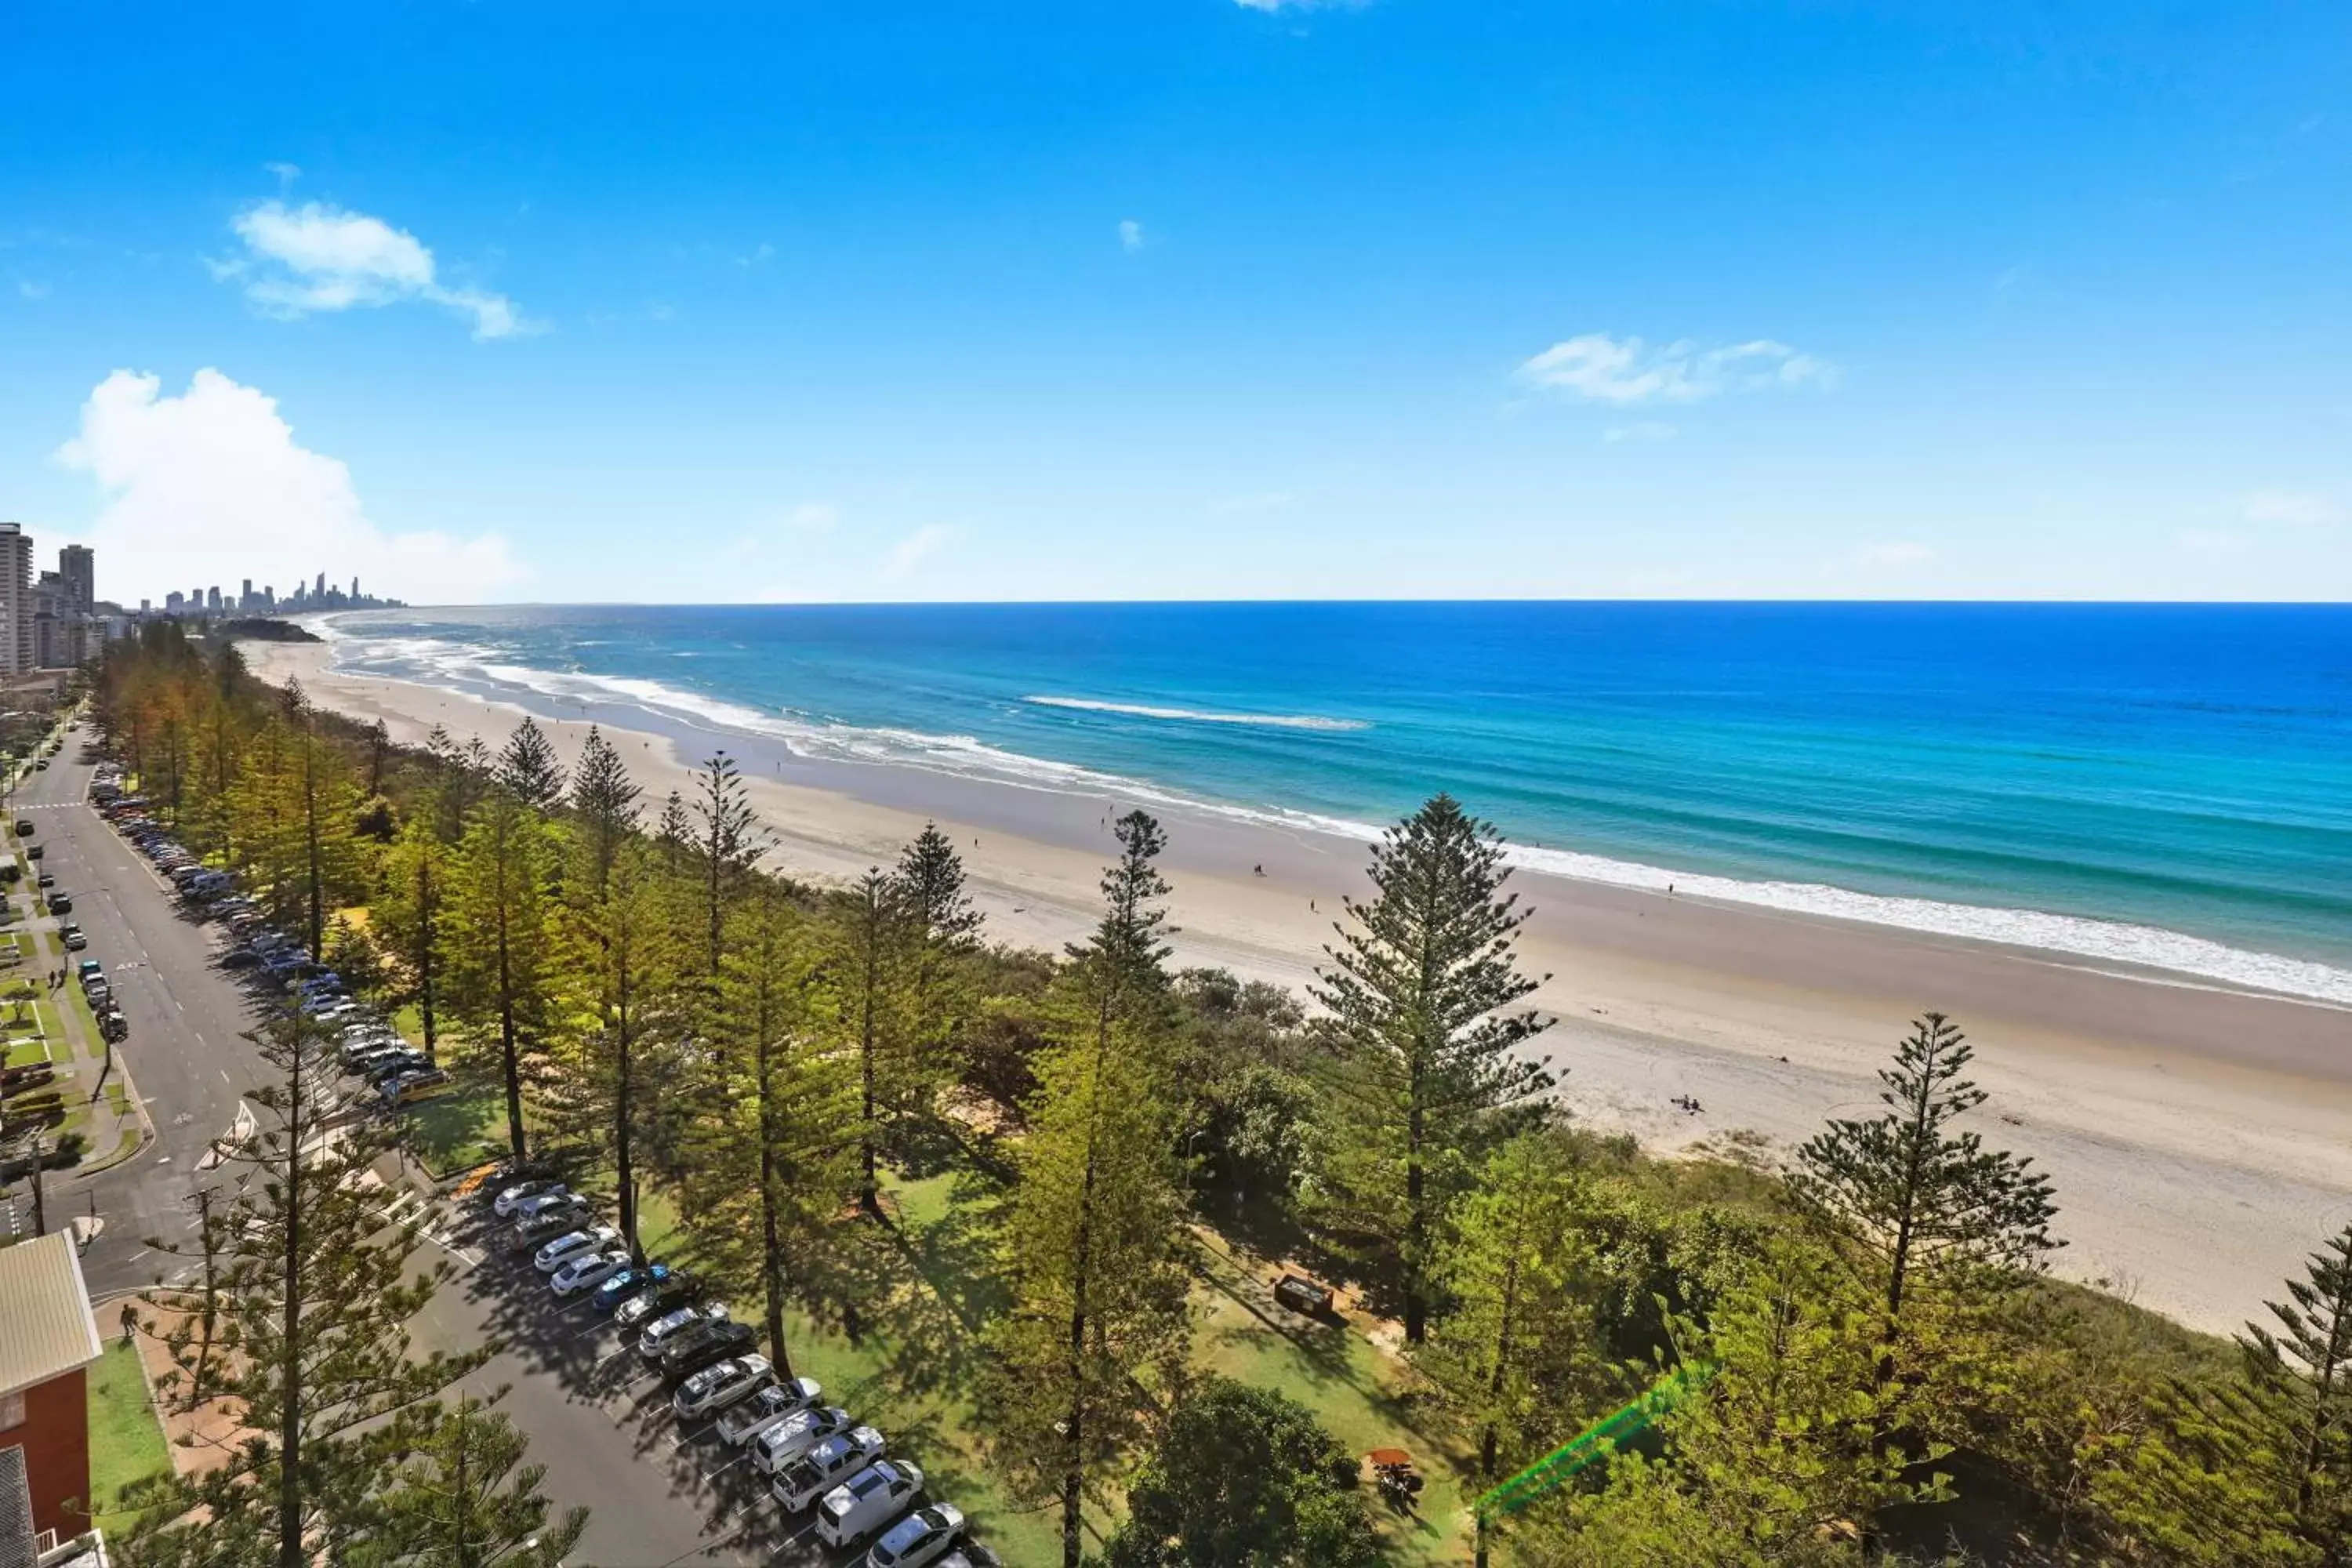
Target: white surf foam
[[1197, 716]]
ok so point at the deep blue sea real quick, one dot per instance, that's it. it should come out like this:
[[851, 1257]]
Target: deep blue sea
[[2166, 783]]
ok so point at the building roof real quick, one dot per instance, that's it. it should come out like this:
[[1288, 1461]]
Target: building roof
[[43, 1300]]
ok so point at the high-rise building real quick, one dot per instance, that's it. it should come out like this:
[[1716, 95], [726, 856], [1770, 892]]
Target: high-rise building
[[212, 600], [244, 597], [174, 602], [17, 650], [77, 564], [321, 592]]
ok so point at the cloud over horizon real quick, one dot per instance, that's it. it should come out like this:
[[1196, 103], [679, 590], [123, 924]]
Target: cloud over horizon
[[210, 486], [317, 258], [1627, 371]]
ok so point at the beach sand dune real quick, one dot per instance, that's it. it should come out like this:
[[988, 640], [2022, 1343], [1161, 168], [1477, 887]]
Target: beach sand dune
[[2197, 1134]]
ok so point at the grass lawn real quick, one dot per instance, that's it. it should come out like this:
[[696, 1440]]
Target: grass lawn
[[455, 1130], [27, 1050], [1353, 1385], [126, 1443]]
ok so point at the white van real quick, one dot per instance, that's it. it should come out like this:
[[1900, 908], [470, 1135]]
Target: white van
[[867, 1501]]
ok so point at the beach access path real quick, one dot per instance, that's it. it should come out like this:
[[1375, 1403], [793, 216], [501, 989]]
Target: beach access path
[[2200, 1136]]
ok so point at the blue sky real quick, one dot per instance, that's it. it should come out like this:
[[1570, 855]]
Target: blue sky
[[1183, 298]]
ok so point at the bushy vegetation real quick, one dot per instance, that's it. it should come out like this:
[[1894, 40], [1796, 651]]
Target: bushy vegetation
[[1875, 1365]]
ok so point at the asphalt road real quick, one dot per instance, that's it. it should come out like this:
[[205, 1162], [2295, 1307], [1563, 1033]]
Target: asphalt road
[[661, 1495]]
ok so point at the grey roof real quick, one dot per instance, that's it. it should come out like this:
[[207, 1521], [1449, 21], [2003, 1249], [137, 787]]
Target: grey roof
[[47, 1308]]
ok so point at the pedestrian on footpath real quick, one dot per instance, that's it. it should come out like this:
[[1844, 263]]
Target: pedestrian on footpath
[[130, 1320]]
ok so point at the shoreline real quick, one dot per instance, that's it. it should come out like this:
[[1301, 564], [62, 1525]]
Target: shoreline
[[2193, 1128]]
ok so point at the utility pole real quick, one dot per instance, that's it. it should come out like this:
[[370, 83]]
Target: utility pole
[[40, 1209]]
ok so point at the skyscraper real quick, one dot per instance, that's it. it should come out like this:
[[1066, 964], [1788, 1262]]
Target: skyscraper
[[321, 589], [15, 599], [77, 564], [212, 599]]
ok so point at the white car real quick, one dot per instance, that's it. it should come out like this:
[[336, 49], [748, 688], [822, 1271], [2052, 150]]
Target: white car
[[825, 1466], [507, 1202], [586, 1273], [572, 1244], [868, 1500], [795, 1434], [719, 1385], [919, 1540], [971, 1555], [764, 1409], [662, 1328]]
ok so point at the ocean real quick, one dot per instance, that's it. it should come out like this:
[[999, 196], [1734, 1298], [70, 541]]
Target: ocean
[[2160, 784]]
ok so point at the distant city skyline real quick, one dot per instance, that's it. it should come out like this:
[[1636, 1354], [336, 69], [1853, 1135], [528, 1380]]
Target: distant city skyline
[[1192, 299]]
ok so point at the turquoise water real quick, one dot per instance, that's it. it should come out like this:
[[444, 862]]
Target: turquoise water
[[2168, 784]]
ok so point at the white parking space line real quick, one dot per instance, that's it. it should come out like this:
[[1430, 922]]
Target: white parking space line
[[722, 1469]]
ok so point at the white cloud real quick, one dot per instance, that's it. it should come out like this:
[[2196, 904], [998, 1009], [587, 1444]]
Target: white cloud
[[1627, 371], [286, 173], [1647, 430], [917, 548], [210, 487], [319, 258], [28, 288], [813, 516], [2210, 542], [1897, 556], [2298, 508], [1131, 236]]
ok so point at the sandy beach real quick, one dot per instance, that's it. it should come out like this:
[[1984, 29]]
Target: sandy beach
[[2196, 1132]]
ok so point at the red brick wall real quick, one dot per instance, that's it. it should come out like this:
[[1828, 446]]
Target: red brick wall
[[56, 1440]]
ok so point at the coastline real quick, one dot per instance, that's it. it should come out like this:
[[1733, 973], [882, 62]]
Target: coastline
[[2194, 1129]]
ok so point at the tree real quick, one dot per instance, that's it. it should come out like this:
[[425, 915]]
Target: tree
[[1912, 1201], [787, 1094], [502, 967], [412, 913], [2258, 1470], [1431, 1075], [1516, 1353], [635, 970], [310, 1351], [942, 928], [1095, 1244], [1772, 1460], [726, 835], [466, 1500], [1245, 1478], [327, 803], [605, 799], [528, 768], [873, 931]]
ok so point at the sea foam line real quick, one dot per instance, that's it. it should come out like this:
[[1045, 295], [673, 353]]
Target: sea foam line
[[965, 756], [1199, 716]]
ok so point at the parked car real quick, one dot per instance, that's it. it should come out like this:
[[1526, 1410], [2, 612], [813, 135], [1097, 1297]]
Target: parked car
[[868, 1500], [60, 903], [503, 1201], [659, 1332], [765, 1407], [826, 1467], [410, 1087], [556, 1197], [75, 941], [919, 1540], [721, 1384], [553, 1255], [239, 958], [627, 1283], [87, 967], [36, 852], [795, 1434], [588, 1272], [547, 1224], [98, 990], [45, 880], [971, 1555], [664, 1296], [694, 1349]]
